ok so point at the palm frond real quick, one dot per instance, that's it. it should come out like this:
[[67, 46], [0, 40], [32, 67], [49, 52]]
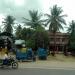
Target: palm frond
[[61, 20], [47, 22], [35, 19], [63, 15], [47, 15], [26, 19], [55, 19]]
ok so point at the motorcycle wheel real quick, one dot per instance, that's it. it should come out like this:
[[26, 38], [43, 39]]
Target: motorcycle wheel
[[1, 66], [14, 65]]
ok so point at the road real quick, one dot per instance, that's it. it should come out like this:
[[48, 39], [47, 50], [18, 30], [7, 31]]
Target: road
[[36, 72]]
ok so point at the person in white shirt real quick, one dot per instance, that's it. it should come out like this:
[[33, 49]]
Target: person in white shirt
[[5, 58]]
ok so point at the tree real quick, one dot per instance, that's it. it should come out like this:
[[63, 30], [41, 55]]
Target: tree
[[18, 32], [35, 20], [8, 24], [27, 33], [71, 28], [41, 37], [71, 31], [55, 21], [35, 38]]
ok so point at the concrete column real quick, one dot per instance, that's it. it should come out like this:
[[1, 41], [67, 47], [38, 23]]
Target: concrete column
[[57, 49]]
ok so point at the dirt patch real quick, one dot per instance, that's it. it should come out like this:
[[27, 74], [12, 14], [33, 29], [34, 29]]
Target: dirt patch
[[61, 58]]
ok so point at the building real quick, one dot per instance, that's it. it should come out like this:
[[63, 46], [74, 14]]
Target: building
[[61, 41]]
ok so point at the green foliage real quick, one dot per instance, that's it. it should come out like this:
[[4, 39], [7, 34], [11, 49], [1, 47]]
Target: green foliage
[[37, 36], [8, 24], [40, 38], [30, 43], [71, 28], [55, 19], [35, 20], [71, 31], [18, 32], [27, 33]]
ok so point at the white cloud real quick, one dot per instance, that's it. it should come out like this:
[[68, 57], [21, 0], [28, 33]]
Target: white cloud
[[20, 2], [19, 8], [67, 6]]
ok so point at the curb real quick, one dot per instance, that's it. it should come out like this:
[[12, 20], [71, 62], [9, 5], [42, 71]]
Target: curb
[[56, 68]]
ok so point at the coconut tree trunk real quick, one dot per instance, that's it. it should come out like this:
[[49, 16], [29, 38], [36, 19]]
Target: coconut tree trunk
[[54, 48], [54, 43]]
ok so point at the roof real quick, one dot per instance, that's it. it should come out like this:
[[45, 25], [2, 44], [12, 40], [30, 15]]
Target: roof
[[59, 33], [19, 42], [6, 34]]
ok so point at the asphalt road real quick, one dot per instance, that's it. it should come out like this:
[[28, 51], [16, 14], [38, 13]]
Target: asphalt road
[[36, 72]]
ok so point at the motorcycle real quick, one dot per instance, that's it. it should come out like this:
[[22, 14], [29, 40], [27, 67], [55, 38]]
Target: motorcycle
[[9, 62]]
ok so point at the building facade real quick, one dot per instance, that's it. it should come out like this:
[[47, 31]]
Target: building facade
[[61, 41]]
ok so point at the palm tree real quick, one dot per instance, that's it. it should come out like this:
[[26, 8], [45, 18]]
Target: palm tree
[[55, 21], [71, 31], [35, 20], [71, 28], [8, 24], [18, 32]]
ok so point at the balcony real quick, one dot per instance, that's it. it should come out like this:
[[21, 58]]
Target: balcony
[[63, 43]]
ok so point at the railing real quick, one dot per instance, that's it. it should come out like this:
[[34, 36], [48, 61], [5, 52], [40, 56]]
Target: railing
[[58, 42]]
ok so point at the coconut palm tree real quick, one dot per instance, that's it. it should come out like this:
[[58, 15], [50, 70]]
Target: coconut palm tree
[[8, 24], [35, 19], [71, 28], [55, 21], [36, 22], [71, 31], [18, 32]]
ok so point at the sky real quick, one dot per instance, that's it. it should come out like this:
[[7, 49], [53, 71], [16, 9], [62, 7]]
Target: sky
[[20, 8]]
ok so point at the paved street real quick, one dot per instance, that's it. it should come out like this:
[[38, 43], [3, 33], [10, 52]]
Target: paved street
[[42, 68], [47, 65], [36, 72]]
